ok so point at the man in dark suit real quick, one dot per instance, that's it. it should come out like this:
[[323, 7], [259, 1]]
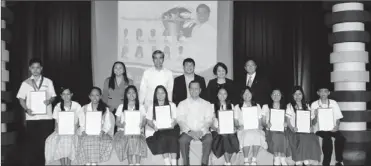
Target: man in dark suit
[[180, 90], [258, 82]]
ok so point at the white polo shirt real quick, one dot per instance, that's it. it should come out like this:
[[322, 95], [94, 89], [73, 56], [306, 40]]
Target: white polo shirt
[[331, 104], [26, 88]]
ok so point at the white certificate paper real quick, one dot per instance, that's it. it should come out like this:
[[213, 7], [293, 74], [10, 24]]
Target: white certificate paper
[[226, 122], [325, 119], [163, 117], [37, 99], [303, 121], [250, 118], [277, 120], [66, 123], [93, 123], [132, 121]]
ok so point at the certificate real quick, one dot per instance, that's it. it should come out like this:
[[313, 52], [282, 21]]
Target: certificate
[[132, 122], [303, 121], [163, 117], [250, 118], [277, 120], [37, 99], [226, 122], [93, 123], [326, 119], [66, 123]]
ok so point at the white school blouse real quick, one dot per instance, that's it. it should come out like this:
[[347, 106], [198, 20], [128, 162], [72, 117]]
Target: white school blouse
[[25, 90], [173, 109], [236, 114], [150, 80], [107, 123], [332, 104], [261, 113], [120, 114], [290, 113], [75, 107]]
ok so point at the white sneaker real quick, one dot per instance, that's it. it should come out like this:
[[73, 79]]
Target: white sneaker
[[283, 161]]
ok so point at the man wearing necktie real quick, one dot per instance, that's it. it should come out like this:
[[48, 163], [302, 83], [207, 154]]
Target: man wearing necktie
[[258, 82]]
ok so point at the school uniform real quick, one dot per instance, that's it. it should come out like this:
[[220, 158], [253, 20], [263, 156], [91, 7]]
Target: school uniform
[[326, 135], [224, 143], [166, 140], [62, 146], [38, 127], [129, 144], [277, 141], [254, 137], [305, 146], [95, 148]]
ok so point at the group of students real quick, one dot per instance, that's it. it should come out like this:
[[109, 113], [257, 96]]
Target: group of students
[[304, 148]]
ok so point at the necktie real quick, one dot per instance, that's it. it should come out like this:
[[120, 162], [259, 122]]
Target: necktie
[[249, 82]]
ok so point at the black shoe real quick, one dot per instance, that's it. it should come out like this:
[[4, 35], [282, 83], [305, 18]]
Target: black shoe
[[203, 164], [339, 164]]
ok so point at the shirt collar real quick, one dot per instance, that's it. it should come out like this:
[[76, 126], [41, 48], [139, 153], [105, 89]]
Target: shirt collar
[[33, 78], [252, 75], [90, 107]]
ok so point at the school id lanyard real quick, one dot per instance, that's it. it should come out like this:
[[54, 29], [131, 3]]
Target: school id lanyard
[[35, 86]]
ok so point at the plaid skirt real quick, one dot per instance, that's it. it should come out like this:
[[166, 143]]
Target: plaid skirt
[[129, 145], [94, 149], [60, 146]]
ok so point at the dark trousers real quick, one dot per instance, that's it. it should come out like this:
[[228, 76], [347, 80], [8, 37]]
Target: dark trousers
[[36, 133], [185, 142], [327, 146]]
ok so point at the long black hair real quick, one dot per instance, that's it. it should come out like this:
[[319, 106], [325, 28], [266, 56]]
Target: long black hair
[[111, 83], [303, 101], [126, 100], [253, 103], [217, 105], [282, 101], [155, 100], [101, 105], [62, 101]]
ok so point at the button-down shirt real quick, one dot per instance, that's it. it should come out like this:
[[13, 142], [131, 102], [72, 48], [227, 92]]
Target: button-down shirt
[[332, 104], [75, 107], [120, 114], [107, 122], [26, 89], [151, 79], [290, 113], [251, 77], [195, 115]]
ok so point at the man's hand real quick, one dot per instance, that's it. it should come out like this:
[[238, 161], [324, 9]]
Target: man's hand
[[336, 128], [47, 102], [29, 112]]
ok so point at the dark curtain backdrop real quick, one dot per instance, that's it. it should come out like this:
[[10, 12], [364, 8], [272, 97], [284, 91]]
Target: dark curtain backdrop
[[60, 34], [288, 41]]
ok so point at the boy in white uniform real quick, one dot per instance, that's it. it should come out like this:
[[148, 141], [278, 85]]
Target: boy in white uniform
[[38, 127], [323, 92]]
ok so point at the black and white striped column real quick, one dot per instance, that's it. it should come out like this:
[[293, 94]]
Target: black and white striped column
[[349, 59], [8, 135]]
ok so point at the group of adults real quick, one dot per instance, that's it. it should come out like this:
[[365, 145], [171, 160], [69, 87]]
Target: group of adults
[[180, 89]]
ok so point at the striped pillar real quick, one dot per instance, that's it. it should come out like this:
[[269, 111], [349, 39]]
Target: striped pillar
[[349, 59], [8, 136]]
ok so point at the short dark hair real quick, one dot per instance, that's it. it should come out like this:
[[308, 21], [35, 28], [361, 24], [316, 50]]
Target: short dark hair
[[194, 81], [35, 60], [158, 52], [222, 65], [251, 59], [189, 60], [203, 6]]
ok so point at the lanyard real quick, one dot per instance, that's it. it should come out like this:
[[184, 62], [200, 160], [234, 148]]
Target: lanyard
[[320, 103], [37, 87]]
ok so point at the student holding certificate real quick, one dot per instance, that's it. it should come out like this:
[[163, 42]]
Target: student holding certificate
[[164, 141], [251, 140], [131, 147], [62, 147], [224, 144], [305, 146], [325, 103], [36, 95], [97, 148], [278, 143]]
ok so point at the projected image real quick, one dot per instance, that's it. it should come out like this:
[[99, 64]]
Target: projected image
[[181, 28], [125, 52]]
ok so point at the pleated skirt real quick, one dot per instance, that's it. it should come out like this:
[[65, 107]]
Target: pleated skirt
[[308, 148], [224, 143], [278, 143], [252, 138], [164, 141], [129, 145], [60, 146], [94, 149]]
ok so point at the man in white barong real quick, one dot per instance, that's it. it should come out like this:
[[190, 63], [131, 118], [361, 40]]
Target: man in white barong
[[195, 116], [154, 76]]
